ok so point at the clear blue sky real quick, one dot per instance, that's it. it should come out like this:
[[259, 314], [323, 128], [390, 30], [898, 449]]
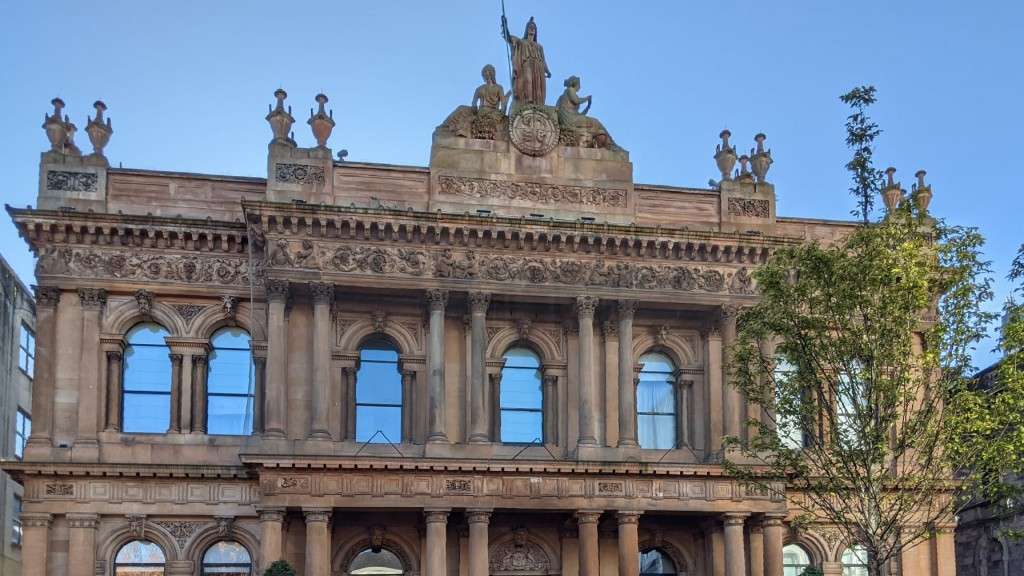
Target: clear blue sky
[[188, 83]]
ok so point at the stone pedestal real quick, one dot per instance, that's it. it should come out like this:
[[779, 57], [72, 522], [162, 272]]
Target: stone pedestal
[[304, 174], [78, 182], [747, 205]]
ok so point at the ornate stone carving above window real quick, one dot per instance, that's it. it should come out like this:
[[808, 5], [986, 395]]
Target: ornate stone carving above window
[[63, 181], [519, 555], [298, 173], [534, 192], [143, 266], [181, 530], [749, 207]]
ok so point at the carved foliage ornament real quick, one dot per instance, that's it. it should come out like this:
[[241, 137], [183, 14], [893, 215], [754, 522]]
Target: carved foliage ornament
[[298, 173], [188, 311], [60, 489], [519, 555], [748, 207], [182, 531], [144, 266], [534, 192], [63, 181]]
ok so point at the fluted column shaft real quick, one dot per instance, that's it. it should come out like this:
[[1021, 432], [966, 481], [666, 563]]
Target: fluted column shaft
[[323, 297], [276, 405], [200, 422], [437, 542], [714, 400], [114, 375], [629, 543], [478, 542], [627, 386], [82, 544], [735, 551], [35, 543], [585, 308], [479, 421], [588, 544], [44, 383], [774, 533], [92, 300], [437, 300], [318, 541], [731, 397], [271, 521]]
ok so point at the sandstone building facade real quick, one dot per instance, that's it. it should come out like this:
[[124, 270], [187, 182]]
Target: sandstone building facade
[[507, 362]]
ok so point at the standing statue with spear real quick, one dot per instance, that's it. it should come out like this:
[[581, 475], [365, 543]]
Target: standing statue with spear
[[527, 64]]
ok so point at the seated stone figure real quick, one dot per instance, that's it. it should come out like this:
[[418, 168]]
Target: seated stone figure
[[578, 129], [485, 117]]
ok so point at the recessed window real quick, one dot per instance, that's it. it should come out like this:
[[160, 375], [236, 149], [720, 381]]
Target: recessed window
[[378, 394], [22, 430], [656, 417], [369, 562], [520, 397], [855, 561], [139, 558], [794, 560], [229, 385], [27, 351], [656, 563], [851, 404], [146, 401], [16, 522], [787, 421], [227, 559]]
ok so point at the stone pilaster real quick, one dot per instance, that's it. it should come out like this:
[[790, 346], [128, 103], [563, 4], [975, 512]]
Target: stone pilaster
[[629, 543], [437, 300], [586, 521], [479, 414], [93, 301], [735, 551], [276, 407], [44, 384], [478, 541], [437, 542], [259, 391], [714, 400], [271, 521], [318, 541], [627, 390], [323, 298], [35, 543], [550, 400], [731, 398], [944, 551], [82, 543], [585, 308], [200, 372]]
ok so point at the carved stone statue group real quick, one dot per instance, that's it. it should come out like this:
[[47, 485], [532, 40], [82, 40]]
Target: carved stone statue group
[[522, 114]]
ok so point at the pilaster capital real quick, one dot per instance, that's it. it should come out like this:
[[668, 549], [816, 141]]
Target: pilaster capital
[[628, 516], [627, 309], [729, 312], [478, 515], [82, 520], [479, 302], [609, 329], [176, 358], [47, 296], [585, 307], [437, 299], [199, 360], [271, 514], [36, 519], [92, 298], [114, 355], [313, 515], [588, 516], [711, 332], [277, 289], [436, 515], [322, 292], [773, 519], [734, 518], [550, 380]]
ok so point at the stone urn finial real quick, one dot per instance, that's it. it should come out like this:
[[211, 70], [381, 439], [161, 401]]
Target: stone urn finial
[[744, 171], [54, 126], [760, 159], [892, 193], [921, 192], [280, 120], [98, 131], [70, 148], [321, 122], [725, 155]]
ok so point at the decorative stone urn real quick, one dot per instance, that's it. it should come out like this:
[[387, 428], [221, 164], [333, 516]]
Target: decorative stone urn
[[56, 132], [760, 159], [725, 156], [321, 122], [744, 171], [892, 193], [281, 121], [99, 133], [921, 192]]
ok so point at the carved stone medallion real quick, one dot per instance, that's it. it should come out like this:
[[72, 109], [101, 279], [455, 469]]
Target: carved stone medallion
[[533, 132]]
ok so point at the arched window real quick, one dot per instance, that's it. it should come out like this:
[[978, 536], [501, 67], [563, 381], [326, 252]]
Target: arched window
[[520, 397], [654, 562], [146, 399], [229, 386], [139, 558], [378, 393], [382, 561], [855, 561], [227, 559], [794, 560], [656, 402]]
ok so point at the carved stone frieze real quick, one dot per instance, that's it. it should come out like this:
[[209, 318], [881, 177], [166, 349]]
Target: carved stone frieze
[[534, 192], [64, 181], [60, 489], [749, 207], [143, 266], [291, 173]]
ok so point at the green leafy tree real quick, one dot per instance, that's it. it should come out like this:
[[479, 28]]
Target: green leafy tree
[[861, 132], [869, 403], [279, 568]]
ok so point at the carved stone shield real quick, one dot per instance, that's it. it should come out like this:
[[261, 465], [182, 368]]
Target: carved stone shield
[[533, 132]]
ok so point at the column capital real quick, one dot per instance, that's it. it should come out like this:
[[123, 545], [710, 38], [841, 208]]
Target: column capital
[[773, 519], [322, 292], [271, 514], [588, 516], [479, 302], [92, 298], [609, 329], [478, 515], [82, 519], [729, 312], [114, 355], [36, 519], [277, 289], [47, 296], [628, 516], [199, 360], [436, 515], [316, 515], [585, 307], [627, 308], [437, 299], [734, 518]]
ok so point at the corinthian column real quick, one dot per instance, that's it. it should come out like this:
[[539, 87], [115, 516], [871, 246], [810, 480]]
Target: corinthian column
[[82, 544], [318, 541], [735, 553], [629, 543], [627, 388], [478, 542], [585, 307], [276, 406], [731, 399], [176, 361], [35, 543], [93, 300], [436, 417], [323, 297], [437, 544], [479, 422], [47, 298]]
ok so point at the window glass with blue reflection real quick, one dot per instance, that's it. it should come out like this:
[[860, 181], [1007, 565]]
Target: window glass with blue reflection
[[656, 563], [656, 402], [146, 396], [378, 393], [227, 559], [520, 397], [229, 385]]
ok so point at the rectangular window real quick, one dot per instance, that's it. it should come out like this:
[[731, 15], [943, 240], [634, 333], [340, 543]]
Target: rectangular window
[[27, 351], [16, 522], [22, 430]]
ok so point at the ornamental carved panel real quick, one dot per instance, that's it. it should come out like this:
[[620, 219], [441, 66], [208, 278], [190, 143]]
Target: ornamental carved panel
[[534, 192], [148, 266], [289, 173], [519, 555], [749, 207], [63, 181]]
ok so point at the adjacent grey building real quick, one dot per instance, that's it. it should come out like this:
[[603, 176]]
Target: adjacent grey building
[[17, 367]]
